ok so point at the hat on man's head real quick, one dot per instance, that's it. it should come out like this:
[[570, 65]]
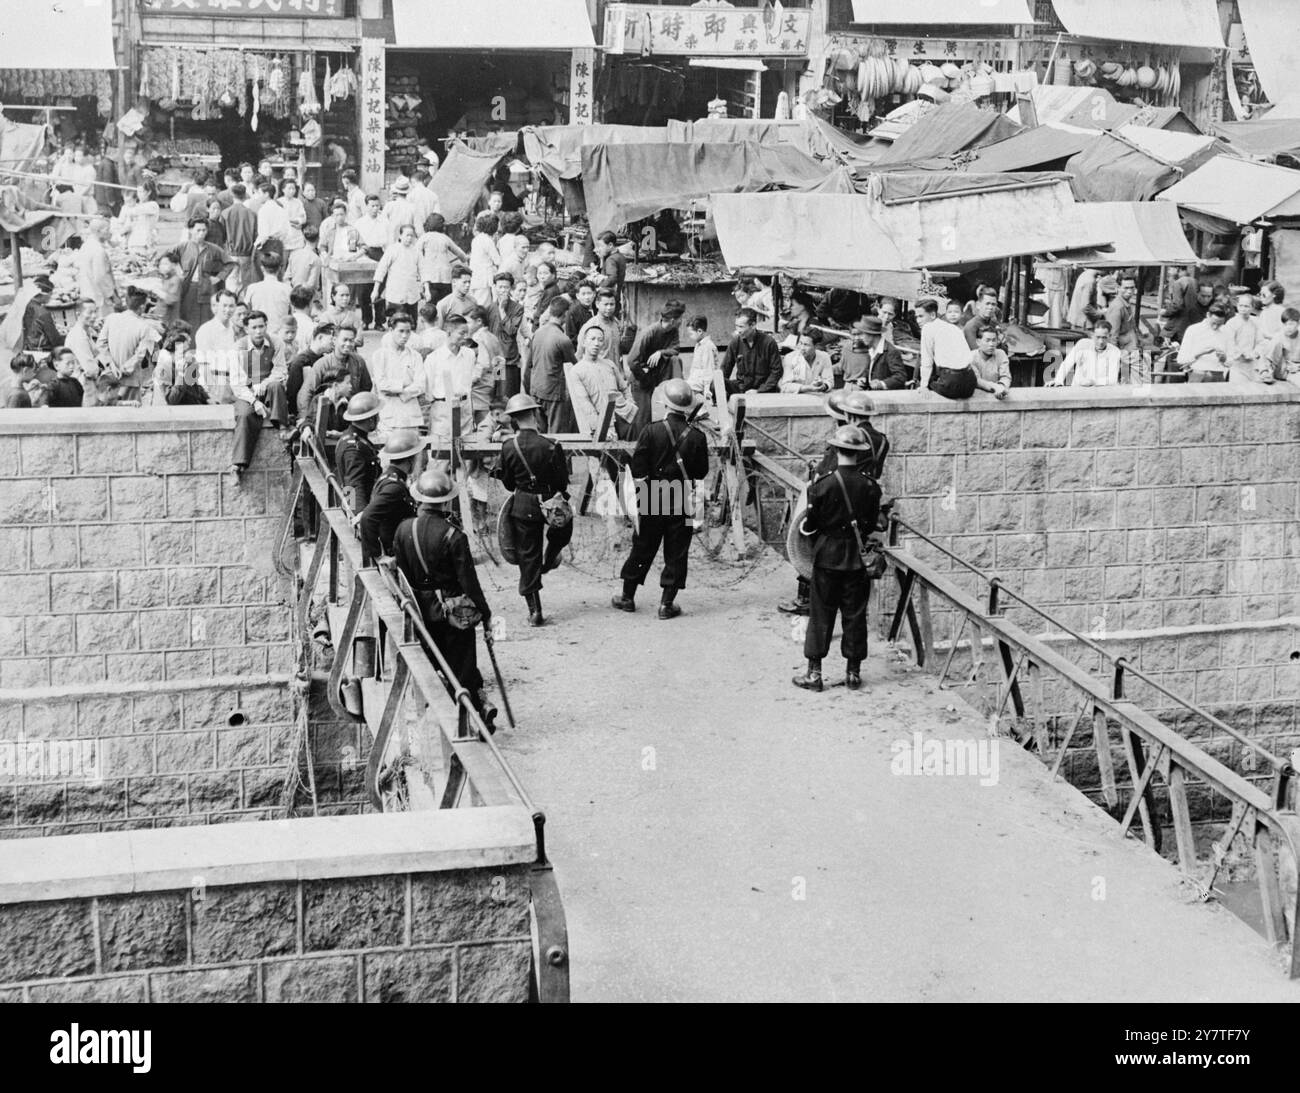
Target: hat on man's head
[[869, 324], [402, 185], [43, 283]]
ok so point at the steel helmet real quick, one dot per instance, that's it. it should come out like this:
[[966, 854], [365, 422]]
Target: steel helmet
[[849, 438], [403, 443], [835, 405], [434, 486], [858, 404], [362, 405], [679, 396], [520, 404]]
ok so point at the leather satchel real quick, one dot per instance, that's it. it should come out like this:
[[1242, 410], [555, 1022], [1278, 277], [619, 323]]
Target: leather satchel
[[873, 558], [556, 510], [458, 611]]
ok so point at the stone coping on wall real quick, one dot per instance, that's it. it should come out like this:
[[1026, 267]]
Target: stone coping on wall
[[116, 419], [1033, 398], [316, 848]]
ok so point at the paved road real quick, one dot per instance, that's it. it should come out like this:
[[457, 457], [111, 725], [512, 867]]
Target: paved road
[[720, 835]]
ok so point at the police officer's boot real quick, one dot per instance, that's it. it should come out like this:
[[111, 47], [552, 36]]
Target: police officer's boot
[[534, 601], [853, 675], [627, 601], [811, 680], [667, 608], [486, 710]]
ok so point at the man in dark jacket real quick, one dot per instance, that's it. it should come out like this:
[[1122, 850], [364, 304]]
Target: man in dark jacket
[[40, 335], [356, 462], [391, 503], [875, 364], [504, 318], [669, 456], [535, 468], [839, 582], [434, 556], [752, 363], [651, 358]]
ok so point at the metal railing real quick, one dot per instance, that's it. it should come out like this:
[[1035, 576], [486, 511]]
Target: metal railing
[[1150, 747], [399, 659]]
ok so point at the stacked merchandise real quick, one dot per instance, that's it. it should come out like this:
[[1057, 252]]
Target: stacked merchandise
[[45, 85], [401, 121]]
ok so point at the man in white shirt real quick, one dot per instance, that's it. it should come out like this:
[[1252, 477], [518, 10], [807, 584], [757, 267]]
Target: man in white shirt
[[373, 229], [1093, 361], [399, 377], [270, 295], [94, 270], [258, 376], [806, 370], [1204, 349], [423, 200], [1244, 342], [704, 354], [450, 379], [595, 378], [945, 356], [272, 220], [427, 336], [399, 211], [214, 348]]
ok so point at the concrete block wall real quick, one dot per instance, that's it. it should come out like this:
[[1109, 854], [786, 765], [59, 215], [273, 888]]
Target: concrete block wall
[[1163, 524], [145, 660], [381, 908]]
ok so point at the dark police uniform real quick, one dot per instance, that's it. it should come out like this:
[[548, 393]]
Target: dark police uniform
[[538, 475], [450, 571], [839, 583], [356, 462], [655, 459], [389, 505]]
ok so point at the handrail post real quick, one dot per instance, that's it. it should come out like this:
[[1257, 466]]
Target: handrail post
[[995, 586], [1117, 690], [894, 522]]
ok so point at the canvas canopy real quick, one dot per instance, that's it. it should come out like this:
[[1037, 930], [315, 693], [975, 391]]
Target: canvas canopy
[[625, 182], [1238, 191], [60, 36], [1114, 170], [1266, 136], [1270, 28], [951, 128], [556, 150], [461, 178], [1170, 22], [1031, 148], [1141, 233], [896, 187], [826, 239], [944, 12], [763, 131]]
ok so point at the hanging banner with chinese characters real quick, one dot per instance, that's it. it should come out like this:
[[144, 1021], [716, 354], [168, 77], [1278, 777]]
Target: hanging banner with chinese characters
[[706, 32], [582, 87], [290, 9], [371, 97]]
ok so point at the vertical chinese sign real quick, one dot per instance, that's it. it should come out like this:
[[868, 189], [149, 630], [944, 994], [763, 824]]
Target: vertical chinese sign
[[582, 87], [372, 145]]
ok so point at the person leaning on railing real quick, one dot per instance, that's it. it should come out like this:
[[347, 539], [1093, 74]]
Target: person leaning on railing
[[1204, 349], [1093, 362]]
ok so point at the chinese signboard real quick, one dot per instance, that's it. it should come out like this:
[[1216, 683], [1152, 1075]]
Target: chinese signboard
[[582, 82], [293, 9], [712, 32], [372, 148]]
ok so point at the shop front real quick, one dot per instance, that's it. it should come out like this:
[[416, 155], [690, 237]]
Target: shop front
[[683, 63], [443, 72], [224, 81]]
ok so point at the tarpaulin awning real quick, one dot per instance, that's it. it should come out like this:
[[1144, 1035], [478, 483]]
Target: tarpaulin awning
[[951, 128], [1141, 233], [1185, 150], [1114, 170], [826, 239], [1032, 147], [895, 187], [1267, 136], [762, 131], [60, 36], [1085, 107], [556, 150], [944, 232], [1238, 191], [1270, 27], [460, 180], [491, 24], [625, 182], [1167, 22], [825, 140], [943, 12]]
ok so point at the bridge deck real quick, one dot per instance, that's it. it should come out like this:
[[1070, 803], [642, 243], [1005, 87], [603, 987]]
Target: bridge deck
[[694, 794]]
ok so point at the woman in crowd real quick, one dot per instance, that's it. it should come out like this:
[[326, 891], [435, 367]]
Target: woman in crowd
[[438, 254], [140, 217], [296, 212], [484, 258]]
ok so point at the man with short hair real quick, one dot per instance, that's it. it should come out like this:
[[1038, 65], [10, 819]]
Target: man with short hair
[[272, 218], [752, 363], [606, 304], [1093, 362], [1191, 311], [580, 312], [203, 266], [239, 222], [704, 356], [345, 358], [94, 270], [126, 339], [257, 386], [338, 239], [945, 356], [992, 365], [611, 267], [304, 324], [1244, 343], [544, 377], [84, 333], [1122, 316], [314, 206], [40, 335], [1203, 353], [595, 378], [305, 262], [489, 363], [986, 314], [322, 342], [423, 200], [270, 295], [459, 302], [806, 369], [504, 318], [399, 376], [652, 360], [449, 379]]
